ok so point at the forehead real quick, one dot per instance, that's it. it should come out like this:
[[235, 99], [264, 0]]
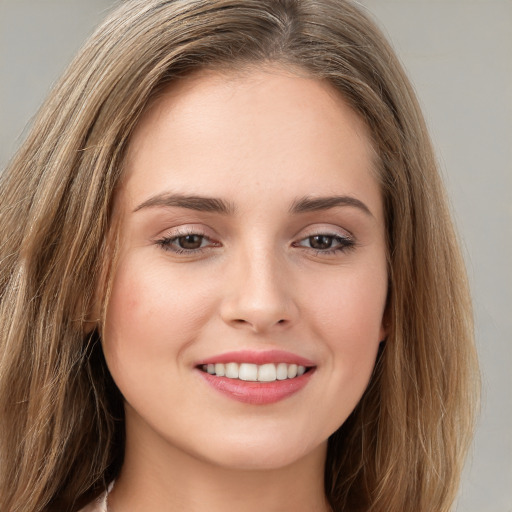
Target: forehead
[[266, 127]]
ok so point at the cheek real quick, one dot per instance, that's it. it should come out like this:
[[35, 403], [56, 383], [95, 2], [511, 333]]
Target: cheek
[[346, 312], [150, 311], [349, 307]]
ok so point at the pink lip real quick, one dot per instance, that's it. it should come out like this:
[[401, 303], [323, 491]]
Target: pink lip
[[257, 393], [255, 357]]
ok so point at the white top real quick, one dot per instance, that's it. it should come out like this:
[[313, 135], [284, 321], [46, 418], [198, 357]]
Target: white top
[[98, 505]]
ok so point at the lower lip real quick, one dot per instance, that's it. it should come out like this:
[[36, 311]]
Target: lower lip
[[257, 393]]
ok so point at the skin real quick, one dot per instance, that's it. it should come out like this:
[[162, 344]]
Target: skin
[[259, 141]]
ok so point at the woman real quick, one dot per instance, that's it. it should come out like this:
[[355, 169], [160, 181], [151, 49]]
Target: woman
[[229, 276]]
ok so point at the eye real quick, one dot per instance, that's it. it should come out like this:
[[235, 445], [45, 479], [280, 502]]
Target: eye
[[321, 242], [186, 243], [324, 243], [190, 242]]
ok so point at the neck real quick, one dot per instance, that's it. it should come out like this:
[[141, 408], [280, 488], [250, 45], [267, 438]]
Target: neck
[[164, 479]]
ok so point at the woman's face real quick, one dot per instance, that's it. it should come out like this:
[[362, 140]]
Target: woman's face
[[252, 244]]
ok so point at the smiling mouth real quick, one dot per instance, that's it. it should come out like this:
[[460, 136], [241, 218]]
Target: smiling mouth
[[249, 372]]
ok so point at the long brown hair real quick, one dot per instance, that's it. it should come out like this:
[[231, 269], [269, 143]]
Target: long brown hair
[[61, 416]]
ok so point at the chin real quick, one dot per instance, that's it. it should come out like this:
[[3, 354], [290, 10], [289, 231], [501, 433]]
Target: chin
[[264, 455]]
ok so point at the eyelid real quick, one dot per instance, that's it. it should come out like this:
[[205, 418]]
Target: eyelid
[[184, 230], [343, 240], [166, 239], [339, 238], [325, 229]]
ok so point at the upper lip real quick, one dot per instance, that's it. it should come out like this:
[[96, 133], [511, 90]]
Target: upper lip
[[258, 357]]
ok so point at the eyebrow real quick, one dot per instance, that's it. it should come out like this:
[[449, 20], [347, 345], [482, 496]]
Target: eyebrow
[[198, 203], [216, 205], [313, 204]]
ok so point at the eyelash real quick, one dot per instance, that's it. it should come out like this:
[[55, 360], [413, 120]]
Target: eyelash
[[344, 243], [166, 243]]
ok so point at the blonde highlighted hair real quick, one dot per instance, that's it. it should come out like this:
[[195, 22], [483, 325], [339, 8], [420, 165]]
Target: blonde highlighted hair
[[61, 415]]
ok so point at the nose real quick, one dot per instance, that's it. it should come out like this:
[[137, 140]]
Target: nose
[[258, 294]]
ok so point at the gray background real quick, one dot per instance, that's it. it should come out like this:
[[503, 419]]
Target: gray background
[[459, 56]]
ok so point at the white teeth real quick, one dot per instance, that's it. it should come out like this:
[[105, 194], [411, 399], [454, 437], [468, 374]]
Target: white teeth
[[248, 372], [282, 371], [220, 371], [232, 370], [269, 372], [292, 371]]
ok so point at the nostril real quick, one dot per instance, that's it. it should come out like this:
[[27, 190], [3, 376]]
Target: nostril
[[241, 321]]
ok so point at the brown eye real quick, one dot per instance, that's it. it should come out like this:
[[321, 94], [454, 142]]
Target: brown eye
[[190, 242], [326, 244], [321, 242]]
